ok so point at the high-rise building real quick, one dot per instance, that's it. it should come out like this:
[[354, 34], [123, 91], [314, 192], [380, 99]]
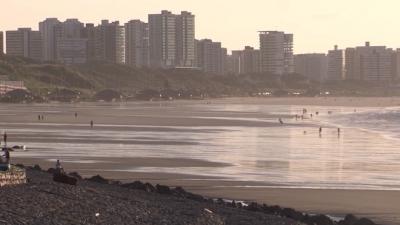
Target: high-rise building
[[369, 63], [313, 66], [276, 50], [49, 30], [1, 43], [110, 42], [71, 50], [25, 43], [211, 57], [162, 36], [89, 32], [246, 61], [336, 65], [185, 36], [71, 46], [137, 44]]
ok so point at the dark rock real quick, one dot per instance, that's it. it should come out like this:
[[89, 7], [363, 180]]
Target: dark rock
[[318, 220], [364, 221], [76, 175], [51, 170], [149, 187], [292, 214], [273, 210], [162, 189], [348, 220], [62, 178], [254, 207], [37, 167], [137, 185], [180, 192], [98, 179], [20, 165]]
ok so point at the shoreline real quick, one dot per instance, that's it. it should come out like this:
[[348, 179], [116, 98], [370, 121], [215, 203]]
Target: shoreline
[[356, 101]]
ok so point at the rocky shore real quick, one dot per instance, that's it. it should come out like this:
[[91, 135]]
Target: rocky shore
[[97, 200]]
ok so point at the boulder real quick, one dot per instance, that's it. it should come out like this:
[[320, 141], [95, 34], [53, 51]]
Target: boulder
[[162, 189], [37, 167], [76, 175], [318, 220], [51, 170], [98, 179], [364, 221], [348, 220], [292, 214], [63, 178]]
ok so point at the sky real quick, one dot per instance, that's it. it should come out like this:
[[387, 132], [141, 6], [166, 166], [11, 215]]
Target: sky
[[317, 25]]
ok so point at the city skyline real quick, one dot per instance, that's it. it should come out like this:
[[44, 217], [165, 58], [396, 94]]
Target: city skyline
[[234, 24]]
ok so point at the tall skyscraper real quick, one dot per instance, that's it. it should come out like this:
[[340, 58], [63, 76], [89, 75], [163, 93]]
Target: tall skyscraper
[[276, 50], [336, 65], [246, 61], [162, 36], [1, 43], [313, 66], [71, 47], [49, 30], [110, 42], [211, 57], [137, 44], [370, 63], [89, 33], [24, 43], [185, 35]]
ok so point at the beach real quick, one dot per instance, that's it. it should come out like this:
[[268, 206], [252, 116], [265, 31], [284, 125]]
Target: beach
[[231, 148]]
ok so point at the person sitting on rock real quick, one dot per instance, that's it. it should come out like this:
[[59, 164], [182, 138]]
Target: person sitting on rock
[[59, 169]]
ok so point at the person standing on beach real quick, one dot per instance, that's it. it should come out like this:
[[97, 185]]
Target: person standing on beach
[[5, 139], [320, 130], [39, 117], [280, 121], [91, 124], [76, 115], [42, 117], [338, 131]]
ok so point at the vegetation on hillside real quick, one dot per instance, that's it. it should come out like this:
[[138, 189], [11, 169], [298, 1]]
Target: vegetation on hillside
[[64, 83]]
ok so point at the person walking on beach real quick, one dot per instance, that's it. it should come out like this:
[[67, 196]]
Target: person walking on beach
[[42, 117], [280, 121], [76, 115], [320, 130], [338, 131], [39, 117], [91, 124]]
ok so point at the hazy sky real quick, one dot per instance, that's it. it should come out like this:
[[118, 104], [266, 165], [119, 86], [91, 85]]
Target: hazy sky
[[317, 24]]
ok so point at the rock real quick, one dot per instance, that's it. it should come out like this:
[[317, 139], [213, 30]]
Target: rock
[[51, 170], [254, 207], [62, 178], [180, 192], [20, 165], [364, 221], [149, 187], [318, 220], [162, 189], [37, 167], [76, 175], [348, 220], [98, 179], [292, 214], [137, 185]]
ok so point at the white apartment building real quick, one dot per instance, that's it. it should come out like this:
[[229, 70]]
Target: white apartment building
[[48, 29], [185, 38], [137, 44], [313, 66], [336, 65], [24, 42], [276, 51]]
